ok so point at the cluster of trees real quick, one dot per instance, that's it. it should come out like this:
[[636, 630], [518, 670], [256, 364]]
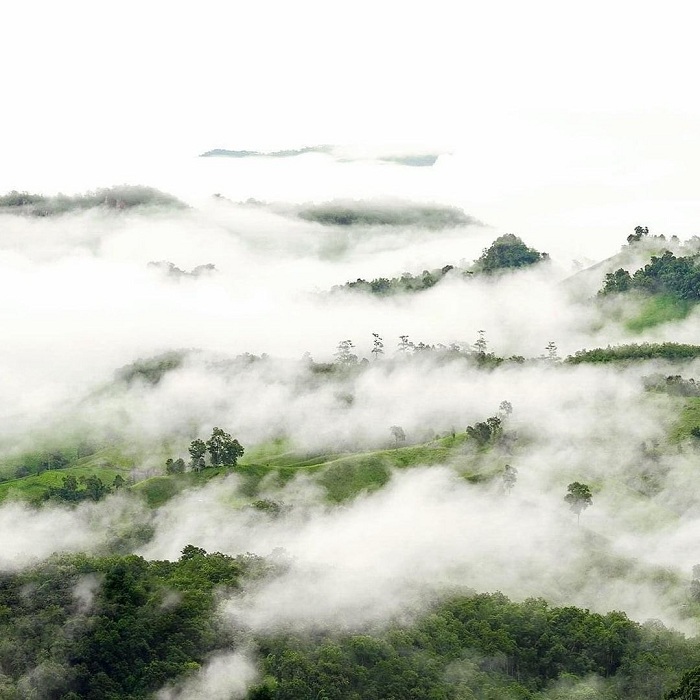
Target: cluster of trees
[[490, 431], [477, 353], [678, 277], [223, 450], [487, 432], [674, 385], [37, 462], [407, 283], [634, 351], [508, 252], [118, 197], [85, 488], [152, 369]]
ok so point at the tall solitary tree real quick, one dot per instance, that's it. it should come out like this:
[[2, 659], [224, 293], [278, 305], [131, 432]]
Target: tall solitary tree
[[578, 496], [552, 351], [377, 346], [480, 343]]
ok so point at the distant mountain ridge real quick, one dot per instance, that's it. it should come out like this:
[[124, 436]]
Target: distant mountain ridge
[[416, 160]]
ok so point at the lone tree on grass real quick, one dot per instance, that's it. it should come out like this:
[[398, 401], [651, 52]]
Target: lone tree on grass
[[223, 449], [578, 497]]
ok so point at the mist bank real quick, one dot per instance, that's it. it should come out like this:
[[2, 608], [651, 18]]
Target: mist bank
[[90, 302], [583, 423]]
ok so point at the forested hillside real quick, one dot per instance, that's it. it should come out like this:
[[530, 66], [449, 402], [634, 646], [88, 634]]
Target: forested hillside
[[470, 482]]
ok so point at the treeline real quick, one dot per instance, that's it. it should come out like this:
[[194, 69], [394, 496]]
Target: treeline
[[407, 283], [633, 351], [507, 252], [122, 627], [678, 277], [86, 488], [359, 213], [152, 369], [477, 353], [118, 197]]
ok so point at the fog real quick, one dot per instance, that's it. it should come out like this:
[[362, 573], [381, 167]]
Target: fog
[[80, 301]]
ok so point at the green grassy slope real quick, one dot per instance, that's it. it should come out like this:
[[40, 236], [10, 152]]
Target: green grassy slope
[[657, 310], [341, 475], [689, 419]]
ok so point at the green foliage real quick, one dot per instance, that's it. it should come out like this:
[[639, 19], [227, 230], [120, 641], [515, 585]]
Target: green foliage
[[175, 466], [616, 282], [674, 385], [349, 477], [159, 489], [118, 197], [406, 284], [508, 252], [483, 646], [487, 432], [35, 487], [639, 233], [60, 455], [358, 213], [223, 449], [151, 370], [578, 496], [70, 492], [667, 275], [124, 627], [659, 309], [688, 688], [114, 627], [688, 421], [633, 352]]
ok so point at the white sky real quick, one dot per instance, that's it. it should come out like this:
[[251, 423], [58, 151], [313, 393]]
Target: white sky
[[187, 76], [559, 112]]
